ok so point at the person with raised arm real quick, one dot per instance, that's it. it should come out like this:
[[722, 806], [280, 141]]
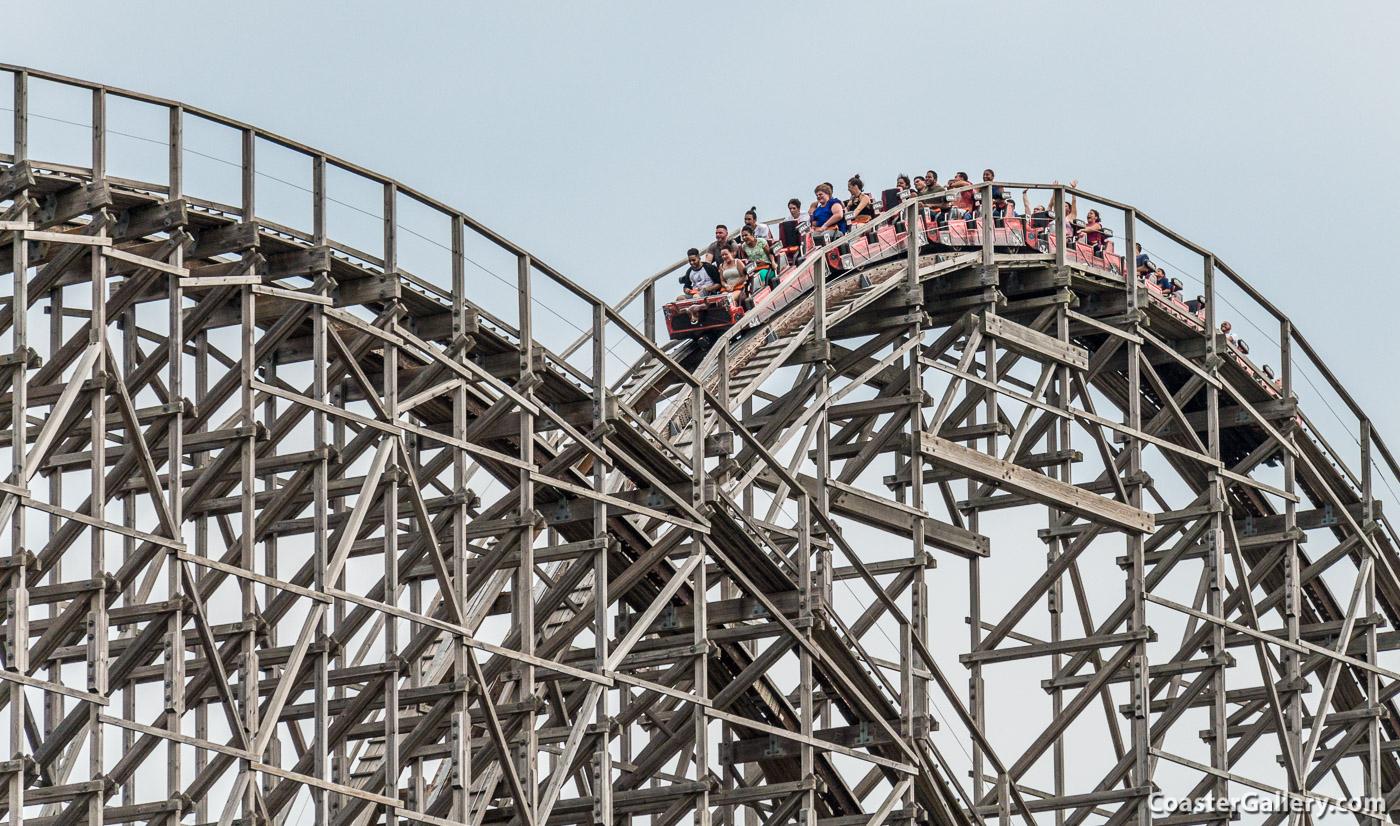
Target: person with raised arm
[[1039, 215]]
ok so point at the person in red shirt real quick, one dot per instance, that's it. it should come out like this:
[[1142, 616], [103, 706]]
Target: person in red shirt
[[1093, 230], [962, 187]]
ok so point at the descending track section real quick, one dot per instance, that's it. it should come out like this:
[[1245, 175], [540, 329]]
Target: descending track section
[[304, 525]]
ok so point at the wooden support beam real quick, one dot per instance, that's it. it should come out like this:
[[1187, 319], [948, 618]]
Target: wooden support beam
[[891, 516], [1037, 345], [1035, 486]]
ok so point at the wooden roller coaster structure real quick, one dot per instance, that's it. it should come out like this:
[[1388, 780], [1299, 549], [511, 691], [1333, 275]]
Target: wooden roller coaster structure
[[292, 534]]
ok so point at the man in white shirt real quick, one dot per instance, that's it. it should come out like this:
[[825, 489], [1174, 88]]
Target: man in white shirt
[[796, 213], [760, 231]]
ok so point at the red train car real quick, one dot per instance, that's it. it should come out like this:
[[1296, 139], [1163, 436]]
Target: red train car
[[712, 315]]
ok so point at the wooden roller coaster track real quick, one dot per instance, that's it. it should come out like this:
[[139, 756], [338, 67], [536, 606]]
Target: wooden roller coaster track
[[294, 534]]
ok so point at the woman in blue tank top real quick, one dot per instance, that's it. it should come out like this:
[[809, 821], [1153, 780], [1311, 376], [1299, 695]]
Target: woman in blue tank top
[[829, 213]]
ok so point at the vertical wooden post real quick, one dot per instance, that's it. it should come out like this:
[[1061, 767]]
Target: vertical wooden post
[[393, 765], [461, 516], [98, 660], [914, 689], [1292, 571], [806, 679], [99, 133], [1219, 512], [1136, 586], [391, 229], [1373, 698], [248, 676], [201, 549], [991, 408], [126, 326], [21, 127], [1208, 278], [700, 616], [988, 226], [1060, 236], [1130, 279], [649, 307], [522, 588], [321, 760], [602, 751], [1060, 437], [318, 200], [975, 702], [175, 576], [1367, 494], [17, 600], [175, 179], [821, 423], [392, 761], [248, 185]]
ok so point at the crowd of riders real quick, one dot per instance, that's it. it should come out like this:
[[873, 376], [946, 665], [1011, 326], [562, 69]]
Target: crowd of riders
[[731, 264]]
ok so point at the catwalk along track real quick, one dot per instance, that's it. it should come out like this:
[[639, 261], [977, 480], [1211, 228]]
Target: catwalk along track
[[298, 530]]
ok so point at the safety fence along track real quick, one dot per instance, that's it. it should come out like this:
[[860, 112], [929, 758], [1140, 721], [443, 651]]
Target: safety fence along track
[[316, 511]]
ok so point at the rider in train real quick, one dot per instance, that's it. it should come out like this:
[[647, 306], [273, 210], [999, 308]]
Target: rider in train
[[737, 270], [700, 279]]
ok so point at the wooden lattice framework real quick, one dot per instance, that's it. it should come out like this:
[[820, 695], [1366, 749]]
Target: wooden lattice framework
[[254, 568]]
